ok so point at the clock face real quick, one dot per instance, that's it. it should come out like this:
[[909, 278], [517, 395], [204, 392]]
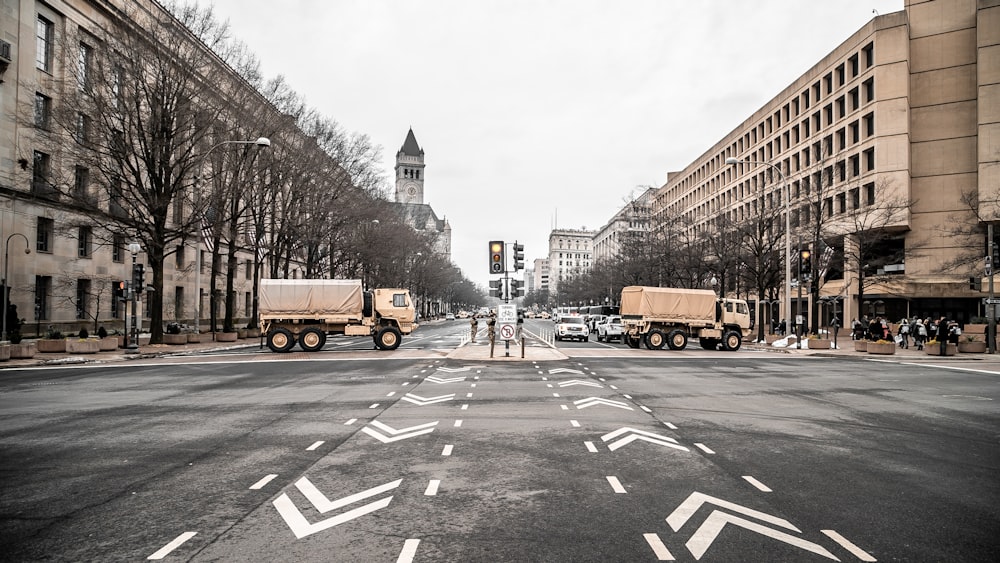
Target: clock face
[[411, 190]]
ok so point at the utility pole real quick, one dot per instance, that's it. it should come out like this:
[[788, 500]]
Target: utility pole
[[991, 327]]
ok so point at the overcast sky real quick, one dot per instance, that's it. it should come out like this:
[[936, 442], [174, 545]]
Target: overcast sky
[[533, 113]]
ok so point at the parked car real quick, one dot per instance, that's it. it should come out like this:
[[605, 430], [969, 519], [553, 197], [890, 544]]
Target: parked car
[[449, 317], [592, 321], [572, 327], [609, 328]]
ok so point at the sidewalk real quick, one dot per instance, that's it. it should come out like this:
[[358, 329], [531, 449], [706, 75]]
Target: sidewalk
[[144, 352]]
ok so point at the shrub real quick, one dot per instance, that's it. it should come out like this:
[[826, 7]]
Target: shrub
[[83, 333], [53, 334], [102, 332]]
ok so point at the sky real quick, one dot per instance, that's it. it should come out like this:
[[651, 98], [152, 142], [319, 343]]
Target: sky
[[536, 114]]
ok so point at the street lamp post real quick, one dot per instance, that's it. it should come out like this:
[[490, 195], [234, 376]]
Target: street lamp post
[[133, 344], [262, 142], [788, 232], [6, 290]]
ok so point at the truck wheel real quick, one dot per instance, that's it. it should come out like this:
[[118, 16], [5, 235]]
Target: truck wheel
[[655, 339], [312, 339], [677, 340], [280, 340], [731, 341], [632, 341], [709, 343], [388, 338]]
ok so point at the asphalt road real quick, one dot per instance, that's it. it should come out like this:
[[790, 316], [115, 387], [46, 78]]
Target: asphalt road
[[361, 457]]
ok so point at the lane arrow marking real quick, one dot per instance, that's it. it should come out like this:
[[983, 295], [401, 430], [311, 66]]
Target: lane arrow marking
[[454, 370], [635, 434], [438, 380], [717, 520], [401, 434], [591, 401], [302, 528], [422, 401], [565, 370], [572, 382]]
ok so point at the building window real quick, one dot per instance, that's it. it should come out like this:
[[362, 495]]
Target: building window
[[869, 194], [869, 124], [42, 286], [81, 181], [855, 198], [84, 239], [853, 62], [179, 256], [40, 172], [249, 269], [43, 235], [82, 128], [869, 156], [115, 198], [43, 111], [118, 249], [178, 302], [43, 44], [852, 94], [82, 298], [869, 90], [855, 166], [83, 65], [841, 203]]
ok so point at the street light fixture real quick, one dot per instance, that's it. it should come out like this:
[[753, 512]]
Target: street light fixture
[[6, 290], [788, 236]]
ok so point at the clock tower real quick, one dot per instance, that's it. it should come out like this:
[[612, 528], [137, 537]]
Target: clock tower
[[410, 171]]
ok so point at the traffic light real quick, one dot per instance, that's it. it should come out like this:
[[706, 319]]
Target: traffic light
[[516, 289], [138, 278], [121, 290], [497, 261], [805, 263], [518, 256], [496, 288]]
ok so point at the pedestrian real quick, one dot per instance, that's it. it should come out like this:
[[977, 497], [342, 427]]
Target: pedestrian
[[932, 328], [474, 327], [954, 331], [874, 329], [782, 327], [920, 334], [835, 325], [904, 333], [491, 325]]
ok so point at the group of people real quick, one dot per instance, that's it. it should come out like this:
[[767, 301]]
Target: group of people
[[920, 330]]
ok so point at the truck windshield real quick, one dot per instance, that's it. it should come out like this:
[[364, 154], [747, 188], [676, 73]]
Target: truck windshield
[[399, 300]]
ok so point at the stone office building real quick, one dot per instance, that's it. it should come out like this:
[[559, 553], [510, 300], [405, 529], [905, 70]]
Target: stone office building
[[901, 120]]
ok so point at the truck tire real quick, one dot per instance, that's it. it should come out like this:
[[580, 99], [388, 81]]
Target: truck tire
[[312, 339], [388, 338], [709, 343], [677, 339], [732, 340], [632, 341], [280, 340], [655, 339]]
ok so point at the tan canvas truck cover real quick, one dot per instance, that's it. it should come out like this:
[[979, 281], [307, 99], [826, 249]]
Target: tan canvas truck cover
[[283, 299], [667, 304]]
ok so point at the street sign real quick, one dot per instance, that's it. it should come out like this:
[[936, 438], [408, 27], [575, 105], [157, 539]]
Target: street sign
[[506, 320], [991, 301]]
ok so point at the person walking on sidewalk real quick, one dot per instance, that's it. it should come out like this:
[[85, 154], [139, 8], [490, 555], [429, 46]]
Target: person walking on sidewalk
[[474, 327], [904, 333], [919, 334]]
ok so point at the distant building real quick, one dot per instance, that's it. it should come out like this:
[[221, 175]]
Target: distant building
[[632, 219], [410, 196], [541, 274], [570, 254]]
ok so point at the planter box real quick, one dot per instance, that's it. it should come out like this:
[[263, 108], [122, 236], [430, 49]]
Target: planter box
[[193, 338], [225, 337], [175, 339], [241, 333], [860, 345], [935, 349], [975, 347], [819, 343], [769, 338], [4, 352], [108, 344], [974, 329], [23, 350], [253, 333], [885, 348], [51, 346], [80, 346]]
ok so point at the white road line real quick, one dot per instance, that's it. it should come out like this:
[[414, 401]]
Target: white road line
[[468, 395], [409, 551], [374, 405], [549, 385], [447, 450], [391, 393], [590, 447], [432, 487], [626, 396], [405, 383], [555, 394], [564, 407], [260, 484], [465, 407], [613, 387], [458, 423], [574, 424], [544, 378], [165, 550], [645, 408], [350, 422], [616, 485], [704, 448], [601, 379], [857, 551], [757, 483], [659, 550], [473, 385], [315, 445], [670, 426]]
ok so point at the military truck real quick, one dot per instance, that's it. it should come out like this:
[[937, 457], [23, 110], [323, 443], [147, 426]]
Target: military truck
[[306, 311], [659, 316]]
